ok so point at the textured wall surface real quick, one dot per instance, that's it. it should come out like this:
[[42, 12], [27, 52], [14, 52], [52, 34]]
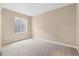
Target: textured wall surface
[[58, 25], [78, 26], [0, 30], [8, 31]]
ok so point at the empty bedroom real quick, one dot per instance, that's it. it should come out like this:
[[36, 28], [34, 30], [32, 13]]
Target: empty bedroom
[[39, 29]]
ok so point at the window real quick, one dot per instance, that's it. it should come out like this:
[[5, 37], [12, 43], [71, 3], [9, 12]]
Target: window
[[20, 24]]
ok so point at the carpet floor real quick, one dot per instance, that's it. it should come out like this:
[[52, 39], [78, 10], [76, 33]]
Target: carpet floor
[[34, 47]]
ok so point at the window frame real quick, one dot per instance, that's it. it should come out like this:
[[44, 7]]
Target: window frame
[[20, 24]]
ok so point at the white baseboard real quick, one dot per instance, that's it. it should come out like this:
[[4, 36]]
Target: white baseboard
[[59, 43]]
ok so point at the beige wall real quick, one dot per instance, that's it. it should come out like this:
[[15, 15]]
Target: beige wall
[[78, 26], [0, 29], [58, 25], [8, 31]]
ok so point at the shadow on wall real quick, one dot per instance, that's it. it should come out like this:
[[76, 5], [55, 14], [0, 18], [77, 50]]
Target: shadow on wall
[[0, 53]]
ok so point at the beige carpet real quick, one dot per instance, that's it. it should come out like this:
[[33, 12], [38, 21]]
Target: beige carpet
[[34, 47]]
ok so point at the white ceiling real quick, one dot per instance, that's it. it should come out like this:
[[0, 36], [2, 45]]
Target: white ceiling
[[32, 9]]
